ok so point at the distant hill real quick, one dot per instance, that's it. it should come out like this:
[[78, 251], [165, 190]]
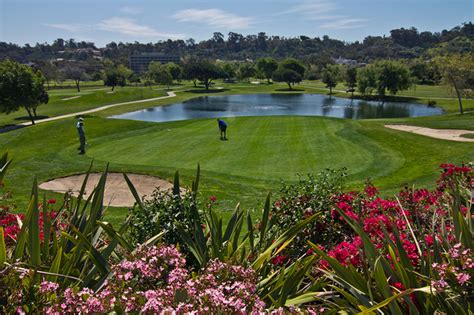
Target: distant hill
[[402, 43]]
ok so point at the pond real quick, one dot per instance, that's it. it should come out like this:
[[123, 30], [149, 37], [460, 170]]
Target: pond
[[279, 105]]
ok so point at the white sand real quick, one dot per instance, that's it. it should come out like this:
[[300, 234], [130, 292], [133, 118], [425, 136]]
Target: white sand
[[445, 134], [117, 193]]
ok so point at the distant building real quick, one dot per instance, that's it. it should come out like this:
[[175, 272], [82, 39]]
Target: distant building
[[139, 62], [344, 61]]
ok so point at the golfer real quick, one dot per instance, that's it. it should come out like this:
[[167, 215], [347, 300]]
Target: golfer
[[222, 128], [82, 135]]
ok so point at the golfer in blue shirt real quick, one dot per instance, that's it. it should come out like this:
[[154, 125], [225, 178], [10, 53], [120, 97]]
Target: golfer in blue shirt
[[222, 128]]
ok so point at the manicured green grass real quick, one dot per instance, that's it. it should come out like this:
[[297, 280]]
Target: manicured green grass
[[260, 152], [89, 98]]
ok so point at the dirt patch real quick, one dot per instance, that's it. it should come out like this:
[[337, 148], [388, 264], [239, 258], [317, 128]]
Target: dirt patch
[[444, 134], [117, 193]]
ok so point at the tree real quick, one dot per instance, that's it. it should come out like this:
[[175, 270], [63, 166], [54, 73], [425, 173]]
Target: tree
[[350, 78], [175, 70], [330, 76], [76, 73], [287, 75], [246, 71], [266, 67], [392, 76], [160, 73], [204, 71], [366, 80], [458, 72], [229, 69], [290, 71], [20, 86], [116, 75], [49, 70], [295, 65]]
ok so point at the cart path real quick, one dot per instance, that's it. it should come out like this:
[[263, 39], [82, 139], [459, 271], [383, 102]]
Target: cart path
[[444, 134], [98, 109]]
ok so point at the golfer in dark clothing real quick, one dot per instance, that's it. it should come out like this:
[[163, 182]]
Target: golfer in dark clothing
[[222, 128], [82, 135]]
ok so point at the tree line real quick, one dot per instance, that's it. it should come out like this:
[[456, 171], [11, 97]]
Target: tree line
[[406, 43], [24, 86]]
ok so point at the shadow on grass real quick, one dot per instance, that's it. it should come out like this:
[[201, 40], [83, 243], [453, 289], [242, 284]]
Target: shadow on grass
[[290, 90], [7, 128], [39, 117], [210, 91]]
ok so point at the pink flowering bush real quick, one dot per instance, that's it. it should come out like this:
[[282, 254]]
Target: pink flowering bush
[[155, 280]]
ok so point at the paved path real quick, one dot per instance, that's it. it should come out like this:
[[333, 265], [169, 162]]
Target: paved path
[[445, 134], [98, 109]]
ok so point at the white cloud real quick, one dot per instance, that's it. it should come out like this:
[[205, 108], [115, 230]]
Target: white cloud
[[311, 8], [344, 23], [73, 28], [324, 10], [131, 10], [347, 23], [214, 17], [128, 26]]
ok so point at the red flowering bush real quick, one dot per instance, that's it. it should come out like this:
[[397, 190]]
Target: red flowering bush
[[11, 224], [422, 210]]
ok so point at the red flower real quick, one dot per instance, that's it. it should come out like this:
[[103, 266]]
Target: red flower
[[213, 198], [279, 260], [399, 286], [51, 201]]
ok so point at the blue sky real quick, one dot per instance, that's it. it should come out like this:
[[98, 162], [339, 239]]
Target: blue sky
[[103, 21]]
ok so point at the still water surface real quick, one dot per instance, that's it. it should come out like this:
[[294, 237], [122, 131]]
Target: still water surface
[[278, 105]]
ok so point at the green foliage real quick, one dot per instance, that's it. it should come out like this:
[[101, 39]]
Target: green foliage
[[246, 71], [20, 86], [159, 73], [162, 211], [73, 249], [116, 75], [392, 76], [350, 78], [458, 72], [303, 199], [383, 76], [290, 71], [266, 67], [175, 70], [203, 70], [331, 75]]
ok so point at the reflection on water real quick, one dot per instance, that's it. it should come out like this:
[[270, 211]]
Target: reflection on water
[[277, 105]]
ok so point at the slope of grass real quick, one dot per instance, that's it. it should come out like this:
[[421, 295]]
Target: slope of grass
[[69, 101], [259, 153]]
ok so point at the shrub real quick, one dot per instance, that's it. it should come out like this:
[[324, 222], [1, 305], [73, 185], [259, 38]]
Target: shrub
[[162, 212], [302, 200]]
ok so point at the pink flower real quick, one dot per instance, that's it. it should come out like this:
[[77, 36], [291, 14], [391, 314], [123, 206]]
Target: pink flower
[[463, 278]]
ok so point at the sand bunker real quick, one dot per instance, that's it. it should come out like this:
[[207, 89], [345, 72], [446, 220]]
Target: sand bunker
[[117, 193], [445, 134]]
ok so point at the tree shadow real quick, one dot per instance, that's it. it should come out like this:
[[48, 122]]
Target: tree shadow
[[289, 90], [210, 91], [8, 128], [39, 117]]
